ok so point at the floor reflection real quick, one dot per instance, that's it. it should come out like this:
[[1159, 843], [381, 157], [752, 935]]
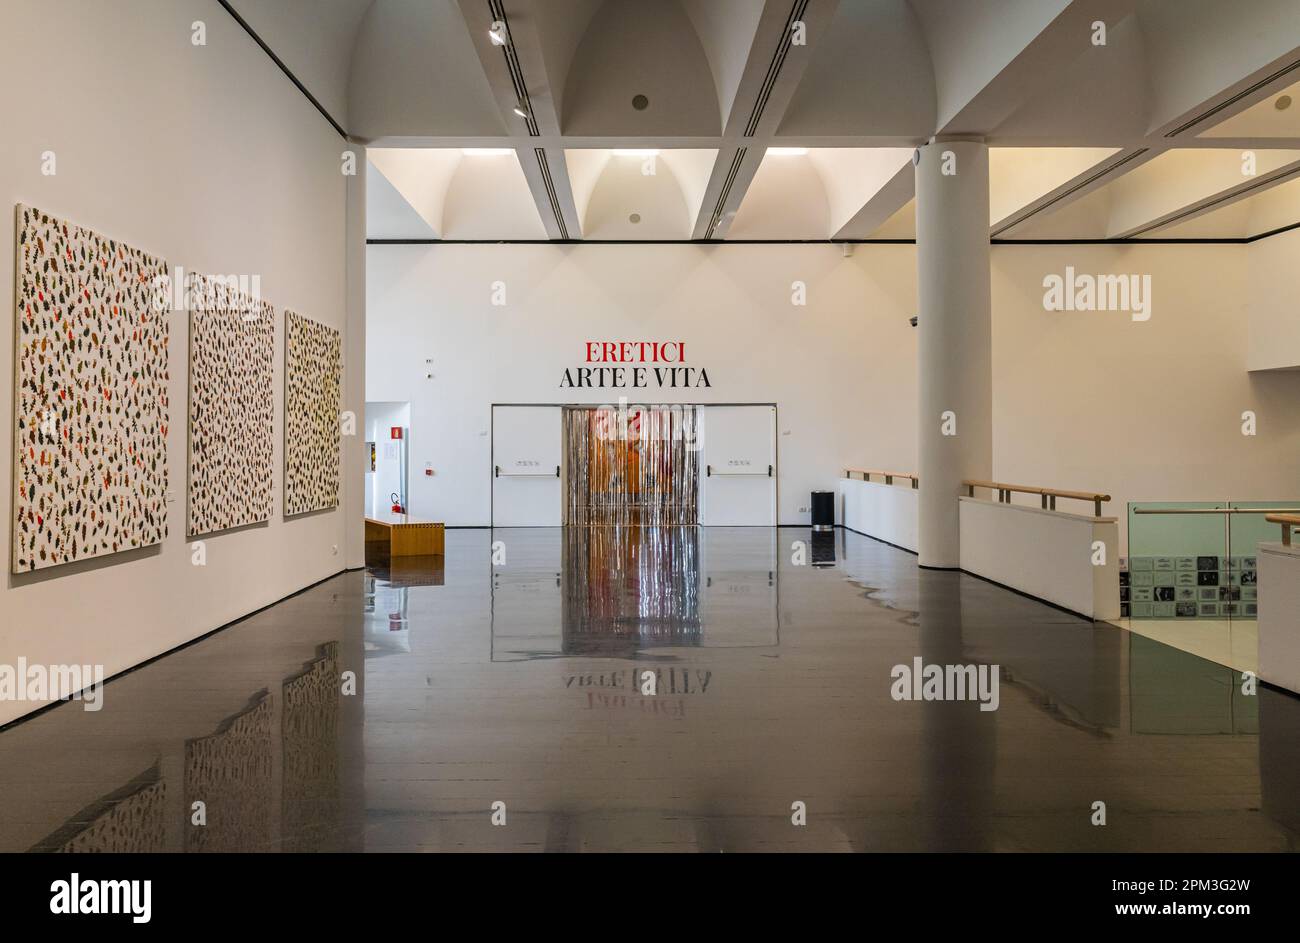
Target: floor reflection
[[388, 710]]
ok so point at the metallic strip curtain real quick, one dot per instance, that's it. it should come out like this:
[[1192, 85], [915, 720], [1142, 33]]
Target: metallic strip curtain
[[647, 474]]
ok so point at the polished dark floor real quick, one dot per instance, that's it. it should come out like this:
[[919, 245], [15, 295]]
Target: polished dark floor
[[519, 684]]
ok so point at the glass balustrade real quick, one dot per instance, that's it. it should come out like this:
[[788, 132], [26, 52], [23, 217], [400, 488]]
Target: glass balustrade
[[1195, 560]]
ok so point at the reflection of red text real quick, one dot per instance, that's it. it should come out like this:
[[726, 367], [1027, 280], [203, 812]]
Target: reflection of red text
[[646, 705]]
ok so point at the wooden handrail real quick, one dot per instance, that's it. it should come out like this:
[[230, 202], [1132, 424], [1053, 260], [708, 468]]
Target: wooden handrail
[[1049, 495], [889, 476], [1287, 521]]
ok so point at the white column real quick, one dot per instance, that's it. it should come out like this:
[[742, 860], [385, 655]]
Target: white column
[[354, 365], [955, 439]]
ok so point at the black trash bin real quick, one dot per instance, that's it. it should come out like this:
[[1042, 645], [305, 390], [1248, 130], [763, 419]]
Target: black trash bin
[[823, 510]]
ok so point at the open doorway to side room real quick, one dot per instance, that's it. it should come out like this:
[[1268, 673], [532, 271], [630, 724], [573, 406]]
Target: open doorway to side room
[[387, 452]]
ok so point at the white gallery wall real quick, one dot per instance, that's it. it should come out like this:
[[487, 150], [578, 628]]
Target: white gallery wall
[[834, 365], [1146, 410], [208, 157], [1082, 400], [1274, 310]]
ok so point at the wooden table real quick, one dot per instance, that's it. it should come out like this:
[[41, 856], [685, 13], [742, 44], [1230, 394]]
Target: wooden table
[[406, 536]]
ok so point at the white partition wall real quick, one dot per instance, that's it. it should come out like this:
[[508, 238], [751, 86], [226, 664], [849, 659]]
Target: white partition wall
[[1050, 555], [738, 466], [1279, 615], [885, 512], [526, 445]]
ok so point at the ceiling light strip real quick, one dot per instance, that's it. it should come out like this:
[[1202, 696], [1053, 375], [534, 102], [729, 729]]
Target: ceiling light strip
[[1087, 181], [1231, 197], [1229, 102], [545, 167], [797, 11], [718, 208], [498, 12]]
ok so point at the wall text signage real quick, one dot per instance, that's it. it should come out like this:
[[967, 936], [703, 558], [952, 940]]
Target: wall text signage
[[635, 365]]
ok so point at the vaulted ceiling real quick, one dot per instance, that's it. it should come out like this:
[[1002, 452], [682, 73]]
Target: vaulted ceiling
[[795, 119]]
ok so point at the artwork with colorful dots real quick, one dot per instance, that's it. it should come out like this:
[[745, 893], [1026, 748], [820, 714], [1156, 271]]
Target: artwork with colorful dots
[[313, 354], [91, 410], [232, 407]]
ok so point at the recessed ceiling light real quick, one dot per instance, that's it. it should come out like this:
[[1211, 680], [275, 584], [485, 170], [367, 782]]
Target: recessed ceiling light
[[787, 151], [1283, 103], [486, 151], [635, 152], [497, 33], [640, 102]]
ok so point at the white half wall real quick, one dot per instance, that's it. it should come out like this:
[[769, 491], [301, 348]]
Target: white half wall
[[209, 157], [1279, 615], [1047, 554], [885, 512]]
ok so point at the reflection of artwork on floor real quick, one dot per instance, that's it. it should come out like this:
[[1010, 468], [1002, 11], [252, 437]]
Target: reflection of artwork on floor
[[312, 380], [232, 409], [310, 801], [230, 772], [132, 819], [91, 410]]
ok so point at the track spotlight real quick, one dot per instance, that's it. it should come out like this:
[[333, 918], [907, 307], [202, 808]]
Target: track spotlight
[[520, 111], [497, 33]]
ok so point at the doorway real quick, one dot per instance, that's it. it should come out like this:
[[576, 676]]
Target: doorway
[[680, 464], [388, 433], [637, 465]]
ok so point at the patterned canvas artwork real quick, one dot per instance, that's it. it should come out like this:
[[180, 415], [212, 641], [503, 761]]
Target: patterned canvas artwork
[[232, 407], [313, 372], [91, 410]]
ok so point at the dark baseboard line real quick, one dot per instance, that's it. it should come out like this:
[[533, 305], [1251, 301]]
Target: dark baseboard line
[[171, 651], [957, 569], [880, 541], [1224, 241]]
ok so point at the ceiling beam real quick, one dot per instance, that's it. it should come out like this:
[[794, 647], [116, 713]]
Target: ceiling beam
[[1081, 185], [990, 97], [516, 73], [773, 69], [1151, 201], [884, 203]]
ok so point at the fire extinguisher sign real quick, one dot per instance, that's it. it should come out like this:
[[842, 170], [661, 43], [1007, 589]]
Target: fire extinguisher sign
[[395, 432]]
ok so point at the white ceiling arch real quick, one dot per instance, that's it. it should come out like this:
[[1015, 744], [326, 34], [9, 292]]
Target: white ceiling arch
[[458, 193], [724, 77], [638, 193]]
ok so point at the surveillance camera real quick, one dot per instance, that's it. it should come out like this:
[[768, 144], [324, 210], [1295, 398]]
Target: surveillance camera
[[912, 320]]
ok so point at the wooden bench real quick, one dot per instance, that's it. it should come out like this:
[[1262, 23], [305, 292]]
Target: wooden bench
[[406, 536]]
